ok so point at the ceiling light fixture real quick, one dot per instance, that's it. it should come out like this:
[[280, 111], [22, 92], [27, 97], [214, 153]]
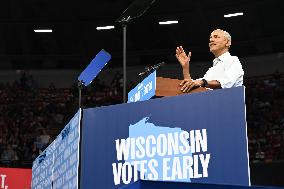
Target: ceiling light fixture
[[104, 27], [234, 14], [43, 31], [168, 22]]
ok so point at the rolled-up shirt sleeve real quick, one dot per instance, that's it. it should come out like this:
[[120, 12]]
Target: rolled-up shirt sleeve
[[228, 72], [233, 75]]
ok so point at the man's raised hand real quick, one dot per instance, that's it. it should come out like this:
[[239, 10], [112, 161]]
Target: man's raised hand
[[182, 57]]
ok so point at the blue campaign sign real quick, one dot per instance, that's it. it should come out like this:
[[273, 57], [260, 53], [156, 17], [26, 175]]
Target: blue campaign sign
[[58, 165], [144, 90], [198, 138], [96, 65]]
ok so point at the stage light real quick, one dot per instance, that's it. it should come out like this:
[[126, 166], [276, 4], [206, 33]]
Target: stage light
[[43, 30], [168, 22], [234, 14], [104, 27]]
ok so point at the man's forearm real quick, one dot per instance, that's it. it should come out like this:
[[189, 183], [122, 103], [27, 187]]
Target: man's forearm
[[186, 74]]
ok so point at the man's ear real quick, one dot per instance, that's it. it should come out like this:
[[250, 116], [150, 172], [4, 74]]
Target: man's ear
[[228, 44]]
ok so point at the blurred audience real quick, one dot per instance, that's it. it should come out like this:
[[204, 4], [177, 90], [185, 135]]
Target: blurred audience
[[265, 119]]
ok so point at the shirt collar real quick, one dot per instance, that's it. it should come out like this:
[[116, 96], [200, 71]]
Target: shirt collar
[[221, 58]]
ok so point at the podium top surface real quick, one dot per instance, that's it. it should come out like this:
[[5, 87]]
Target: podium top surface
[[171, 87]]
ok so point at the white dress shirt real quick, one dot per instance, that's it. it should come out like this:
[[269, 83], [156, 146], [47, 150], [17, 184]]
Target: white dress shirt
[[227, 70]]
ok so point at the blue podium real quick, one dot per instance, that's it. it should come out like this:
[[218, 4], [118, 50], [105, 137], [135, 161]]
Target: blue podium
[[195, 138]]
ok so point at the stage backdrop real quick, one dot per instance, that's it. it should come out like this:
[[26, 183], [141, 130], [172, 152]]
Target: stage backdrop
[[198, 137]]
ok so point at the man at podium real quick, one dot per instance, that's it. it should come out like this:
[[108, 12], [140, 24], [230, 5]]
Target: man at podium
[[226, 71]]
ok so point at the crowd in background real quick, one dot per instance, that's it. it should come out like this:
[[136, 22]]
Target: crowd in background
[[265, 117], [31, 117]]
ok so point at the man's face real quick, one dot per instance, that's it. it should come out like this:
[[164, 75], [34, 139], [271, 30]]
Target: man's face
[[218, 42]]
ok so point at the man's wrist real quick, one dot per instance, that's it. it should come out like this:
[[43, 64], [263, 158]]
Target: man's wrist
[[204, 83], [185, 67]]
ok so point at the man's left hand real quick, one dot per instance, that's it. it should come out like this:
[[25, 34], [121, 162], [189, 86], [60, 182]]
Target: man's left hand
[[188, 84]]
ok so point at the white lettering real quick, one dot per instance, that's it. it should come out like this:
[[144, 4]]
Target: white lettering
[[150, 150], [166, 168], [195, 163], [176, 169], [140, 153], [201, 141], [116, 172], [173, 144], [3, 177], [154, 174], [126, 173], [184, 136], [187, 167], [122, 148], [162, 145], [204, 163]]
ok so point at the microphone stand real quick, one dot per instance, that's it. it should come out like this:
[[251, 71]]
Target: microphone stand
[[135, 10]]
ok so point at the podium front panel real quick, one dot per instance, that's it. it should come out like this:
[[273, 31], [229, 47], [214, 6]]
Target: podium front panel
[[198, 138]]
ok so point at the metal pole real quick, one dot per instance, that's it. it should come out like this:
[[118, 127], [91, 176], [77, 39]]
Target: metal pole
[[80, 98], [124, 63], [80, 85]]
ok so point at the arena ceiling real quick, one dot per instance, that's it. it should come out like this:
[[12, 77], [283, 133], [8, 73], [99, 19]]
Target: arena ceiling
[[75, 40]]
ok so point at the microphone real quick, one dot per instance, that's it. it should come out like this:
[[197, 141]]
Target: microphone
[[151, 69], [157, 66]]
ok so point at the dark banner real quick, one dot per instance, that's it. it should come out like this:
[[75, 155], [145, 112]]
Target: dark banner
[[198, 138]]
